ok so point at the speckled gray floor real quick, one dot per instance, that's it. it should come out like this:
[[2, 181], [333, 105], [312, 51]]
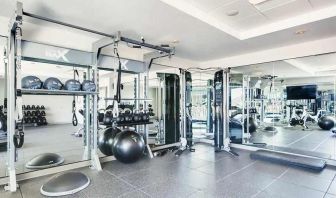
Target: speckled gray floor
[[200, 174]]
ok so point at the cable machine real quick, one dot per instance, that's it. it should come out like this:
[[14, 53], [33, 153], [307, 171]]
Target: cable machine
[[221, 104], [186, 118], [18, 49]]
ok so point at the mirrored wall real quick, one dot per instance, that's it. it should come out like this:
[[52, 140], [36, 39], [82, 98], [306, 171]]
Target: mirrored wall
[[289, 105]]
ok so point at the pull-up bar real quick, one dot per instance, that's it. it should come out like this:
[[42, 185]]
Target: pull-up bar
[[124, 39]]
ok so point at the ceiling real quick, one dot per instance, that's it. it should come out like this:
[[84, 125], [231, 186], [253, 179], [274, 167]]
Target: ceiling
[[199, 38]]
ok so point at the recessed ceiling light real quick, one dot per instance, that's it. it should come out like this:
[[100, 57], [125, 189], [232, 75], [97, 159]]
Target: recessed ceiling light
[[300, 32], [232, 12]]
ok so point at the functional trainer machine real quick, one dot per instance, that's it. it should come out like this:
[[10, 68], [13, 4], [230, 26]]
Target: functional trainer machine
[[18, 49], [221, 104], [186, 118], [169, 110]]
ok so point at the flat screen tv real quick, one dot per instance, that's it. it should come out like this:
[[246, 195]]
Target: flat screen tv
[[301, 92]]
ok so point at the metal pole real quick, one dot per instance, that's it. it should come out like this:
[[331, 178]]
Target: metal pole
[[124, 39], [86, 108], [137, 82], [11, 150], [226, 117], [183, 102], [145, 96]]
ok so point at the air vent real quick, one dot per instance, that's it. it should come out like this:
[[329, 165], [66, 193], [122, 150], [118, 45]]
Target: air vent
[[271, 4]]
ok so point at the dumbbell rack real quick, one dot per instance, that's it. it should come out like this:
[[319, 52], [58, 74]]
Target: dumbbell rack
[[35, 123]]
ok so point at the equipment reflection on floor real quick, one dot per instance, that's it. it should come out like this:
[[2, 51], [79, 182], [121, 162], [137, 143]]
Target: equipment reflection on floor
[[312, 139], [200, 174]]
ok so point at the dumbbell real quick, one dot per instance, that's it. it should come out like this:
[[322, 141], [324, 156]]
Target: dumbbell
[[23, 107], [38, 113], [136, 116], [33, 107], [44, 121], [28, 113], [38, 107], [43, 113], [33, 113], [42, 107], [33, 120], [28, 120], [28, 107], [39, 121], [108, 118], [127, 115], [146, 116]]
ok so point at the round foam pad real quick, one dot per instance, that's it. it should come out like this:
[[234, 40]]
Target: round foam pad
[[65, 184], [44, 160]]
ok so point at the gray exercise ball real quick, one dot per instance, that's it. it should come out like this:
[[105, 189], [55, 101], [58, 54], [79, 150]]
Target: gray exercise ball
[[128, 146], [326, 122], [106, 138]]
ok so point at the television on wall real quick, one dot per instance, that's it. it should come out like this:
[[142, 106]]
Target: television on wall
[[301, 92]]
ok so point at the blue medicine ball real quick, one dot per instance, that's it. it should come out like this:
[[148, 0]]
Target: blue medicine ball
[[72, 85], [52, 84], [88, 85], [31, 82]]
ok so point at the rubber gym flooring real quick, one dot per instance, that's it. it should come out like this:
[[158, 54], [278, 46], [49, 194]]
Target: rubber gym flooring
[[199, 174]]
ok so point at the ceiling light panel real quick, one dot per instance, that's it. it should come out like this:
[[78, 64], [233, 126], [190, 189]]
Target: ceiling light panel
[[318, 4], [290, 9], [271, 4]]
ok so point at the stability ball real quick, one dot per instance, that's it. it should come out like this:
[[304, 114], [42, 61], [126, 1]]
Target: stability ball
[[253, 125], [128, 146], [105, 140], [326, 122]]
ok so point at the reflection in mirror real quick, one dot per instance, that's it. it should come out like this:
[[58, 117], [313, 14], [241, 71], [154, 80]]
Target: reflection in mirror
[[292, 103], [53, 124], [202, 105]]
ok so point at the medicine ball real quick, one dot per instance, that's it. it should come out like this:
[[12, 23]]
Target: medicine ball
[[52, 84], [31, 82], [88, 85], [105, 140], [72, 85], [128, 146], [326, 122]]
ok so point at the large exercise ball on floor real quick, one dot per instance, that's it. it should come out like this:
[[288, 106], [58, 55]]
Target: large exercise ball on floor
[[253, 125], [326, 122], [128, 146], [105, 140]]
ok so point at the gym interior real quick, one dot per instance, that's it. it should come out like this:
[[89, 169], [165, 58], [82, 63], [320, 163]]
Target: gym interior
[[164, 98]]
